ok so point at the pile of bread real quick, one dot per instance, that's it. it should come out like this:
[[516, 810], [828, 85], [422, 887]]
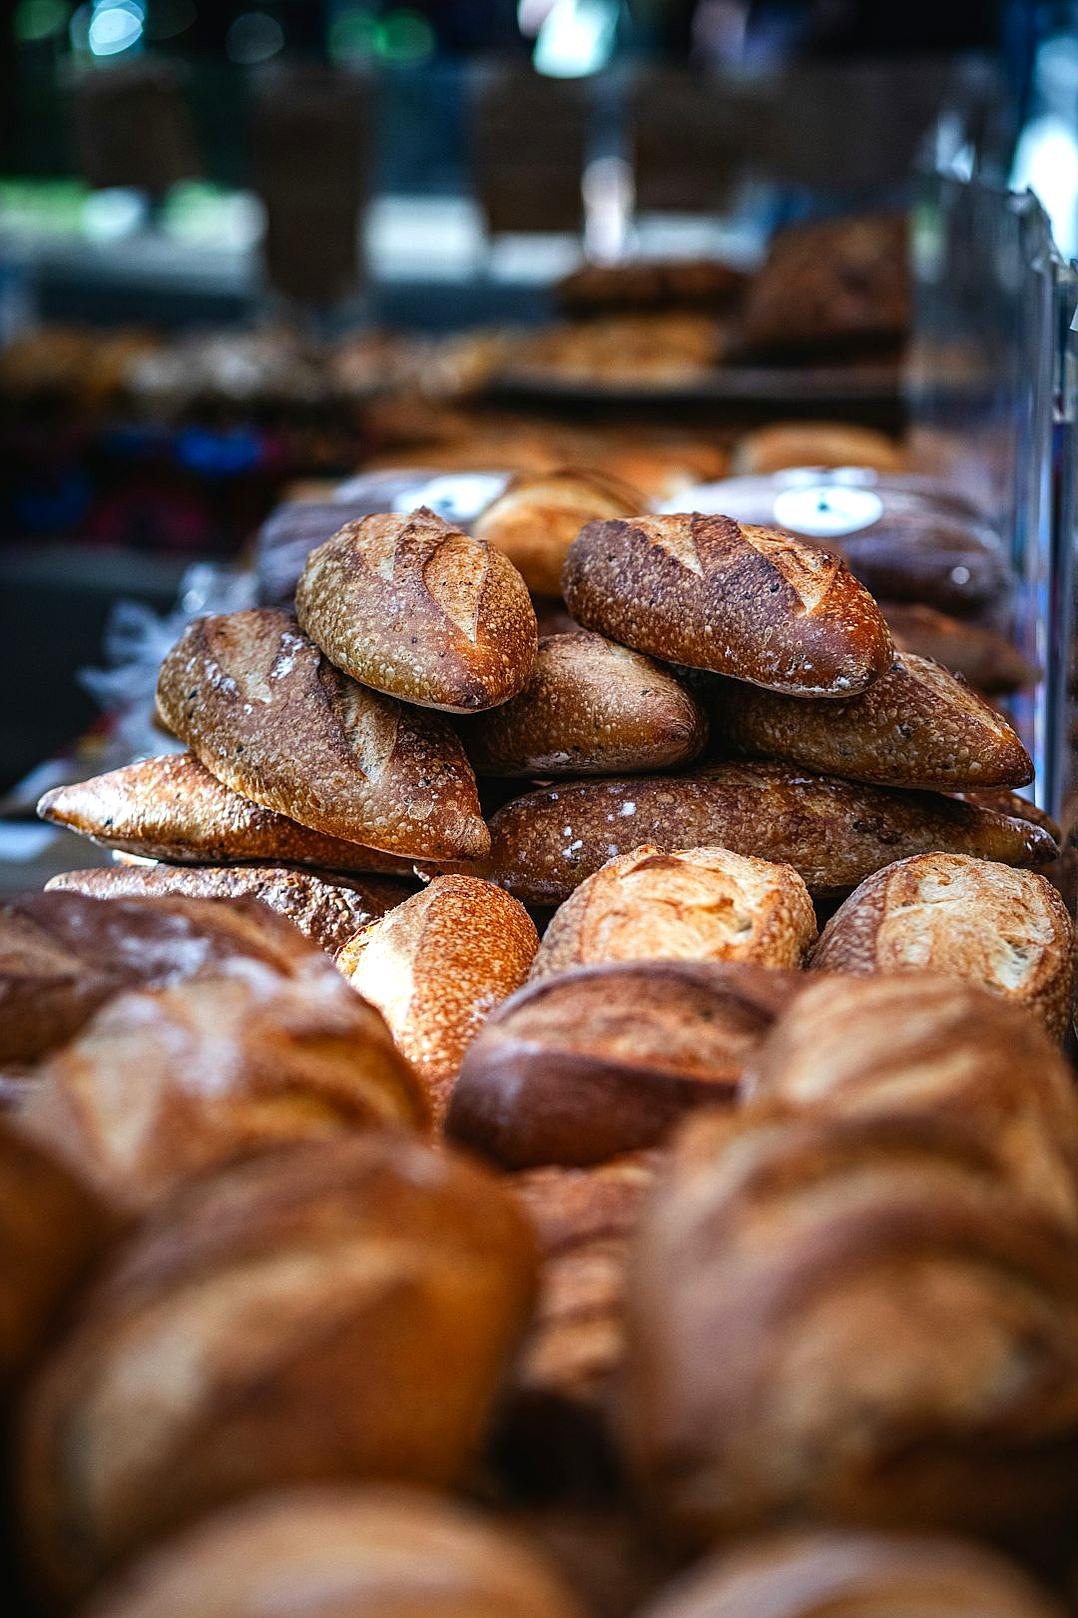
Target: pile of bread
[[373, 1256]]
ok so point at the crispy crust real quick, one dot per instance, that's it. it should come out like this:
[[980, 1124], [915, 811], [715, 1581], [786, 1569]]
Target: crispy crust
[[539, 514]]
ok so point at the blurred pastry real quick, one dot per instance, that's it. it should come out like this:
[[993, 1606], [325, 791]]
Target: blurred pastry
[[539, 515], [815, 443]]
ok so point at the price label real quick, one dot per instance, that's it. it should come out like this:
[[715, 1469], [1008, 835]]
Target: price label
[[827, 509]]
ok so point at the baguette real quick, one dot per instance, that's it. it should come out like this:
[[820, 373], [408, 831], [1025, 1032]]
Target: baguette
[[590, 708], [418, 609], [539, 514], [258, 704], [979, 654]]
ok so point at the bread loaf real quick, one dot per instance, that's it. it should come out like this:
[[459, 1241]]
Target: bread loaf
[[1017, 807], [326, 1312], [603, 1549], [736, 599], [917, 726], [815, 443], [834, 832], [696, 904], [258, 704], [173, 809], [437, 966], [650, 284], [980, 655], [1004, 930], [420, 610], [539, 514], [590, 708], [577, 1068]]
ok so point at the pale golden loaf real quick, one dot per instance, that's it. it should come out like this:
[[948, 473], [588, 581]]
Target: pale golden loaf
[[815, 443], [539, 514]]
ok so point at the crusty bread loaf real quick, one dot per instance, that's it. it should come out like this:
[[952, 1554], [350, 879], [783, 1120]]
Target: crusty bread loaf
[[436, 967], [328, 1311], [267, 714], [420, 610], [1005, 802], [981, 655], [815, 443], [343, 1553], [1004, 930], [539, 514], [577, 1068], [834, 832], [740, 600], [327, 909], [694, 904], [916, 726], [591, 707], [173, 809]]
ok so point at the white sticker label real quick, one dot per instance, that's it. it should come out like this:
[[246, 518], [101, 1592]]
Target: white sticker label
[[456, 496], [827, 508]]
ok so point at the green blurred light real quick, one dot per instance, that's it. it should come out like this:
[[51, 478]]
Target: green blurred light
[[405, 37], [38, 19], [353, 36]]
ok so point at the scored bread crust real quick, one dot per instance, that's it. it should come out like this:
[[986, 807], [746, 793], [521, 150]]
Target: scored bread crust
[[734, 598], [414, 607], [268, 715], [539, 514]]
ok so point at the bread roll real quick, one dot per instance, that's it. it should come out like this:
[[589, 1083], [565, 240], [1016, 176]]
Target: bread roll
[[736, 599], [577, 1068], [173, 809], [342, 1553], [856, 1320], [815, 443], [1004, 930], [834, 832], [917, 726], [695, 904], [437, 966], [420, 610], [537, 517], [326, 1312], [327, 909], [979, 654], [590, 708], [266, 714]]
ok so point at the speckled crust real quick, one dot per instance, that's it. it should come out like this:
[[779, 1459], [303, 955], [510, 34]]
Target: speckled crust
[[1017, 807], [928, 1046], [835, 833], [171, 808], [328, 910], [695, 904], [343, 1553], [421, 610], [858, 1574], [539, 514], [815, 443], [590, 708], [1007, 931], [325, 1312], [856, 1320], [980, 655], [917, 726], [268, 715], [437, 966], [733, 598], [578, 1068]]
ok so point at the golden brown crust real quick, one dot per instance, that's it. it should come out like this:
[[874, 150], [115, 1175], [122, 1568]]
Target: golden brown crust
[[694, 904], [266, 713], [539, 514], [171, 808], [815, 443], [979, 654], [730, 597], [916, 726], [324, 1312], [437, 966], [420, 610], [591, 707], [1017, 807]]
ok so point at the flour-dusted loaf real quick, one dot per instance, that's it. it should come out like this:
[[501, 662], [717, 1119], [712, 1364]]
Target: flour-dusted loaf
[[591, 707], [419, 609], [268, 715], [733, 598], [1007, 931], [916, 726], [171, 808], [693, 904], [984, 657], [578, 1068], [834, 832], [436, 967], [539, 514]]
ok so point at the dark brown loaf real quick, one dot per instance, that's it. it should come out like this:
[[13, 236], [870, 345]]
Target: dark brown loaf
[[835, 833], [1004, 930], [981, 655], [333, 1311], [173, 809], [537, 517], [577, 1068], [267, 714], [420, 610], [917, 726], [736, 599], [590, 708]]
